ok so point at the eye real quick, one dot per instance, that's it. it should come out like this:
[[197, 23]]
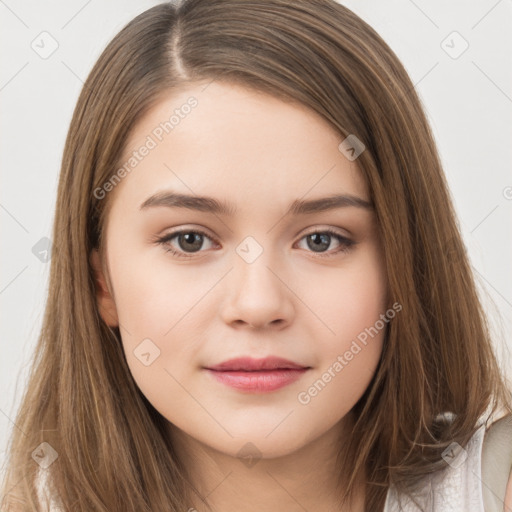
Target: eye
[[318, 240], [187, 239], [190, 241]]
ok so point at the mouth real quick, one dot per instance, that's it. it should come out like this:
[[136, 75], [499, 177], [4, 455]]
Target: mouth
[[257, 375]]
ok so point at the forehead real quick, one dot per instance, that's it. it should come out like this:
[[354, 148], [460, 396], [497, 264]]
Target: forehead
[[238, 144]]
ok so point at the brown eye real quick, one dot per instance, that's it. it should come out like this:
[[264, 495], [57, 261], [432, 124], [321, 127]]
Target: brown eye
[[188, 242], [318, 241]]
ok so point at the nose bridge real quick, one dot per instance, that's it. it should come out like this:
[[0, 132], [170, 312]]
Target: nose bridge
[[253, 263], [257, 294]]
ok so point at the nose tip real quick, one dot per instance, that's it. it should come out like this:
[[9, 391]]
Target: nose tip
[[258, 298]]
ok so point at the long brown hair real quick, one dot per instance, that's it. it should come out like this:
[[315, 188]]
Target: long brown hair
[[113, 451]]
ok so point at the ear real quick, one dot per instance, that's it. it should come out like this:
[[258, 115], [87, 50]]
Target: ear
[[106, 305]]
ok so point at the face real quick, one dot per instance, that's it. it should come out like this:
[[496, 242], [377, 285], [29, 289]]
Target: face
[[192, 286]]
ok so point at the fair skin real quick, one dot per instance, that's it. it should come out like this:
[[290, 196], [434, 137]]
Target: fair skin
[[260, 154]]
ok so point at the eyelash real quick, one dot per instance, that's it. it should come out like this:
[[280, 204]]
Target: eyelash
[[346, 243]]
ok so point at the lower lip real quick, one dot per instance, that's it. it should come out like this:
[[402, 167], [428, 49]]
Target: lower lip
[[258, 381]]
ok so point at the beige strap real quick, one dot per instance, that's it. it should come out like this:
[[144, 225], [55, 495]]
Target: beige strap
[[496, 463]]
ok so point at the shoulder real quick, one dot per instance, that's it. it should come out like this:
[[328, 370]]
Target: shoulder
[[497, 463], [474, 477], [456, 487]]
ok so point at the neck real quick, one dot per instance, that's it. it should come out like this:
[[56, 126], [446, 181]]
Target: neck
[[306, 479]]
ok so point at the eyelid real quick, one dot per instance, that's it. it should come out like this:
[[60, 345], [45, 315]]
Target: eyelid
[[188, 229], [319, 228], [316, 228]]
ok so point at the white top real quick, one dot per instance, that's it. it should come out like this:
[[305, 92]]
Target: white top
[[456, 488]]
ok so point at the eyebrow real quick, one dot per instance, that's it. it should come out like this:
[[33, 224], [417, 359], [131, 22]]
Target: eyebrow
[[171, 199]]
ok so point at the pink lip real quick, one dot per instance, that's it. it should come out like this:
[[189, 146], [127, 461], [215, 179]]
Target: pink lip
[[257, 375], [250, 364]]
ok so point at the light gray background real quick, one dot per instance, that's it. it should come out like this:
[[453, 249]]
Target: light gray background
[[468, 100]]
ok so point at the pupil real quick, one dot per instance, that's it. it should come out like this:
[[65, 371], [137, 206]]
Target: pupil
[[191, 238], [319, 239]]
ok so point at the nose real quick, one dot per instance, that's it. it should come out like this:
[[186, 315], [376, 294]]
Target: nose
[[258, 296]]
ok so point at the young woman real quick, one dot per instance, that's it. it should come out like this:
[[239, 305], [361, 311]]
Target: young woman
[[259, 296]]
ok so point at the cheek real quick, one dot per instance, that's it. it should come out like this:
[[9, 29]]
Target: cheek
[[153, 297], [355, 322], [336, 386], [162, 309], [158, 340], [350, 301]]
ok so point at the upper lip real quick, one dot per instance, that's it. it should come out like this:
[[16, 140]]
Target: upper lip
[[251, 364]]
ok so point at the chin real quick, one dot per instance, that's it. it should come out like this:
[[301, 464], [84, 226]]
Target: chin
[[260, 445]]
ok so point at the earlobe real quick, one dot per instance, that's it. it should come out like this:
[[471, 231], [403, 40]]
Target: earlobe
[[106, 304]]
